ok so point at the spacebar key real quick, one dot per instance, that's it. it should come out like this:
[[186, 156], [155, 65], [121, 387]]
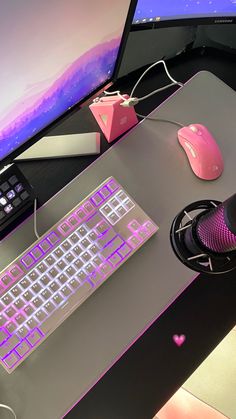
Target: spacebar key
[[64, 310]]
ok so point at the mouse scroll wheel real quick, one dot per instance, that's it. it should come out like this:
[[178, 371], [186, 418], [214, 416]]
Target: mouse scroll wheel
[[195, 129]]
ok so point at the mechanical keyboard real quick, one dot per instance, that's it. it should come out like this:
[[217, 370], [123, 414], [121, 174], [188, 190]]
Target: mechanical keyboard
[[59, 271]]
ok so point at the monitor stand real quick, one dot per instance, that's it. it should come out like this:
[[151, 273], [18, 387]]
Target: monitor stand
[[60, 146]]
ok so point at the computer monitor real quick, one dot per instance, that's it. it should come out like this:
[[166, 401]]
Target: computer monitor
[[55, 54], [159, 13]]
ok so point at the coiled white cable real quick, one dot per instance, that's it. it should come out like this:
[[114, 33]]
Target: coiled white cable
[[4, 406]]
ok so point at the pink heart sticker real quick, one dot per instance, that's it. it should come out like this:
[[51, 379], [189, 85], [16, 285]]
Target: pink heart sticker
[[179, 339]]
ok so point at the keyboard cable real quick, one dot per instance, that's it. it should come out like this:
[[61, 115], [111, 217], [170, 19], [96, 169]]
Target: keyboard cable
[[4, 406], [35, 219]]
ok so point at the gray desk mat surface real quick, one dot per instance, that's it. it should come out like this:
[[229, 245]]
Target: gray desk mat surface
[[153, 168]]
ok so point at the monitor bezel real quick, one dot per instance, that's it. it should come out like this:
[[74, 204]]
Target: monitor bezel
[[193, 21], [84, 101]]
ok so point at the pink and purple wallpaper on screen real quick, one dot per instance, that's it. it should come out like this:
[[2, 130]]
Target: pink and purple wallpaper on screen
[[53, 54]]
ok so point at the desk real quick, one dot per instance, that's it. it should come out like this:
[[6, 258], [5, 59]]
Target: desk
[[67, 364]]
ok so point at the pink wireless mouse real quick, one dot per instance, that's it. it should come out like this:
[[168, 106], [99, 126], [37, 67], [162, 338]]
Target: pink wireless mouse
[[203, 152]]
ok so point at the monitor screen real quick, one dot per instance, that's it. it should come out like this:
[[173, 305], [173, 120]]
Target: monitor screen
[[154, 11], [54, 54]]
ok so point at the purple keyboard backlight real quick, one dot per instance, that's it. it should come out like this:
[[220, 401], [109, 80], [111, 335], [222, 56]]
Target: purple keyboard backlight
[[61, 269]]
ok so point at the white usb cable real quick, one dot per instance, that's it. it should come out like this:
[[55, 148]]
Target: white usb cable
[[132, 101], [4, 406], [35, 219]]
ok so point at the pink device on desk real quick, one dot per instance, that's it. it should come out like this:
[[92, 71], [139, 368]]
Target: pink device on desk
[[203, 152], [113, 118]]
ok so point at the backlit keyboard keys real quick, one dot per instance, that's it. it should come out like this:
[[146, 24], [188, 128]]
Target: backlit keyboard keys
[[69, 257], [3, 336], [6, 280], [32, 323], [70, 271], [50, 260], [105, 268], [53, 238], [53, 272], [54, 286], [46, 294], [86, 243], [45, 246], [40, 315], [19, 303], [3, 320], [28, 295], [106, 210], [33, 275], [7, 299], [121, 211], [28, 310], [71, 268], [134, 241], [42, 268], [113, 218], [11, 359], [112, 186], [10, 327], [36, 253], [61, 265], [115, 259], [134, 225], [142, 233], [37, 302], [81, 214], [149, 227], [10, 312], [74, 238], [62, 279], [74, 284], [124, 250], [23, 348], [77, 250], [15, 272], [25, 283], [45, 280], [66, 291], [57, 299], [102, 227], [86, 256], [58, 253], [36, 287], [22, 332], [82, 231], [73, 221], [64, 228], [104, 192], [9, 345], [49, 307], [66, 245], [27, 261], [88, 207], [19, 319], [97, 199], [34, 337]]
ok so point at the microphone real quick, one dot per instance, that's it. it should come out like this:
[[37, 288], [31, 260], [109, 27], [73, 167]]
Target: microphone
[[206, 242]]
